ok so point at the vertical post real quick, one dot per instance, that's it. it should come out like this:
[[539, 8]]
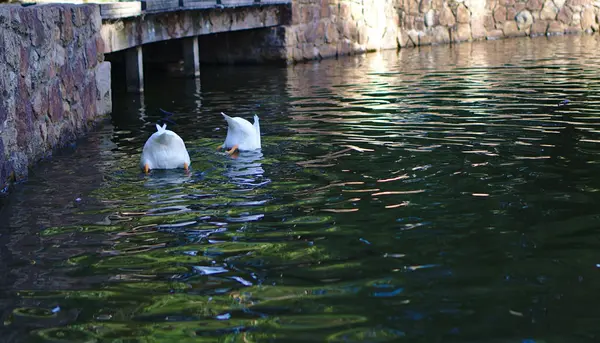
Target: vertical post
[[191, 56], [134, 69]]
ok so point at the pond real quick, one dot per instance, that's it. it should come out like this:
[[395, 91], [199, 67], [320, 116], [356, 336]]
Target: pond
[[434, 194]]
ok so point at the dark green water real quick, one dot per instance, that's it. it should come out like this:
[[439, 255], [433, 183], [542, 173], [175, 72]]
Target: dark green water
[[471, 215]]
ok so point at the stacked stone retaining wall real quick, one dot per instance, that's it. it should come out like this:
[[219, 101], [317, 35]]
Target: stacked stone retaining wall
[[54, 83]]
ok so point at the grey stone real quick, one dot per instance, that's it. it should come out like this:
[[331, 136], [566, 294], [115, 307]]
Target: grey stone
[[430, 18], [524, 20]]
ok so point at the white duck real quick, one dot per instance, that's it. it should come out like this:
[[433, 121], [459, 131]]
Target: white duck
[[164, 150], [241, 135]]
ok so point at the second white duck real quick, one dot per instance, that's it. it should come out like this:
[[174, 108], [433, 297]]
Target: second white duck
[[241, 135], [164, 150]]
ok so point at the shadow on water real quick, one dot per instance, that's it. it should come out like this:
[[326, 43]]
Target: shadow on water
[[435, 194]]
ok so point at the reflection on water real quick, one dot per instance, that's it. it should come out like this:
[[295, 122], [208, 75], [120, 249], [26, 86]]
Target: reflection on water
[[435, 194]]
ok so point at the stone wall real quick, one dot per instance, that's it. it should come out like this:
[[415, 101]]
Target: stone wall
[[326, 28], [53, 81]]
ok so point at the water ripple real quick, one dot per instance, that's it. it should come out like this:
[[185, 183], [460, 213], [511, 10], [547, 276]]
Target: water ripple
[[438, 193]]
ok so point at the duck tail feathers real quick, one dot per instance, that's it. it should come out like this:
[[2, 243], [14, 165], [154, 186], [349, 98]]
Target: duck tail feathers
[[257, 128], [161, 128]]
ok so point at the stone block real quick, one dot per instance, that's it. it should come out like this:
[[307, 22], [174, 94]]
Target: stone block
[[510, 29], [478, 30], [461, 32], [565, 15], [463, 15], [425, 39], [524, 20], [494, 34], [556, 27], [413, 36], [549, 11], [511, 13], [488, 22], [588, 20], [447, 17], [431, 18], [500, 14], [538, 28], [402, 38], [440, 34], [331, 33], [327, 51]]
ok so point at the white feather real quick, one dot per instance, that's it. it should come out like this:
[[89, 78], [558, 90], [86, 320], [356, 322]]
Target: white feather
[[164, 150], [242, 133]]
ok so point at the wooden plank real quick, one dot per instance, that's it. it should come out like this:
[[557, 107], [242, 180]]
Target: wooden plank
[[113, 10], [196, 4], [160, 5]]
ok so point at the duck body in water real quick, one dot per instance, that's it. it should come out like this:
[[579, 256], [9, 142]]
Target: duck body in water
[[241, 134], [164, 150]]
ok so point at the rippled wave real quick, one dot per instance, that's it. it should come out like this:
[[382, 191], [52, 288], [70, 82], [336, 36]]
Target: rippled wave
[[435, 194]]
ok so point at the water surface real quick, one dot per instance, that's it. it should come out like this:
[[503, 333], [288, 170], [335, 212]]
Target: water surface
[[435, 194]]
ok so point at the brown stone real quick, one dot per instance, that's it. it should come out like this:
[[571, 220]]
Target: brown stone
[[494, 34], [534, 5], [549, 11], [402, 38], [519, 7], [573, 29], [413, 37], [440, 34], [488, 22], [588, 21], [506, 2], [344, 10], [447, 17], [500, 14], [539, 28], [511, 29], [419, 24], [565, 14], [460, 33], [556, 27], [425, 6], [320, 33], [478, 30], [577, 2], [413, 7], [409, 22], [511, 13], [463, 15], [425, 39], [331, 33], [328, 50]]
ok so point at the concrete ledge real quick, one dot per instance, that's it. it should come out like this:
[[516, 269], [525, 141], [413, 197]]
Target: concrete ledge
[[155, 27], [114, 10], [117, 10]]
